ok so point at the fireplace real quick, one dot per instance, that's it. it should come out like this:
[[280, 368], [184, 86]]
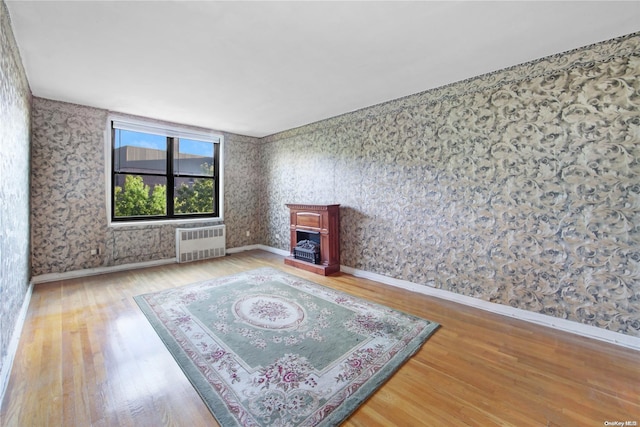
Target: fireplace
[[315, 240], [308, 246]]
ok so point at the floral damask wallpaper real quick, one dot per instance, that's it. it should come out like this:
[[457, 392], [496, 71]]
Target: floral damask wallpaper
[[15, 110], [69, 215], [520, 187]]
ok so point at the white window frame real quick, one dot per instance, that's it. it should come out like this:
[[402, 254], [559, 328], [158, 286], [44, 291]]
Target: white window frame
[[170, 130]]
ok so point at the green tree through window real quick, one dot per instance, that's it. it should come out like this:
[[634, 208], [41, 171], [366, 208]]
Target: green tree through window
[[160, 174], [197, 197], [137, 199]]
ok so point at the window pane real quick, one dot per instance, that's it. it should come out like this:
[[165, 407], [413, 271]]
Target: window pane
[[193, 195], [139, 152], [137, 195], [193, 158]]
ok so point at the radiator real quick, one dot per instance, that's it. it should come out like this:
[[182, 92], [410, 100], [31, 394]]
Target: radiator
[[193, 244]]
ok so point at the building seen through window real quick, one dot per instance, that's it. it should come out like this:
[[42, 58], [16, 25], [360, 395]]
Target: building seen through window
[[163, 176]]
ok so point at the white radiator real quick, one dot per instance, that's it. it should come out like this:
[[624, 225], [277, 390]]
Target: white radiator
[[193, 244]]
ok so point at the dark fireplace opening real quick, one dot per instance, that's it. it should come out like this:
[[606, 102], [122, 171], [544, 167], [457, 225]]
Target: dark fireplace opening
[[307, 246]]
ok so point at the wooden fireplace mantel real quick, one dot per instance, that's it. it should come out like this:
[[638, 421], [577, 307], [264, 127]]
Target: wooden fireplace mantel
[[323, 219]]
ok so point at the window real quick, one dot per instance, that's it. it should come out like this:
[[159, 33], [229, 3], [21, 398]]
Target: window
[[162, 173]]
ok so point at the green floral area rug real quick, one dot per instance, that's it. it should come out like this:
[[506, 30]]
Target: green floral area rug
[[266, 348]]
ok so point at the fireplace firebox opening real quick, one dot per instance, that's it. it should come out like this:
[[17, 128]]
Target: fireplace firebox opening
[[307, 246]]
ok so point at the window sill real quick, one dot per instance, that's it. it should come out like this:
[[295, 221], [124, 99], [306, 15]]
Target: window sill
[[124, 224]]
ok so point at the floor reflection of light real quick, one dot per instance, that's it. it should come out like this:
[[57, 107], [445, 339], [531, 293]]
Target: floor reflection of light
[[139, 369]]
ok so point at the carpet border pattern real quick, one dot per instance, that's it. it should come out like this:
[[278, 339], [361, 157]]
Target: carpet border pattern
[[217, 395]]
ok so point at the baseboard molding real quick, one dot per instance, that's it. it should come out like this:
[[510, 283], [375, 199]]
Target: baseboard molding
[[242, 249], [7, 363], [75, 274], [260, 247], [505, 310], [52, 277]]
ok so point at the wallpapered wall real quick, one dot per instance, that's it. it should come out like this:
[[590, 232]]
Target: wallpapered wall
[[521, 187], [15, 100], [69, 215]]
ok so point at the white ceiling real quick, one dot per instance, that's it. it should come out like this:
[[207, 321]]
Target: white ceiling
[[257, 68]]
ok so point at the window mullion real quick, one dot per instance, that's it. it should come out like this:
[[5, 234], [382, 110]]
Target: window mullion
[[170, 176], [136, 151]]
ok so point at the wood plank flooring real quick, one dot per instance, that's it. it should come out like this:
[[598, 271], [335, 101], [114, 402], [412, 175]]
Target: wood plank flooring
[[88, 357]]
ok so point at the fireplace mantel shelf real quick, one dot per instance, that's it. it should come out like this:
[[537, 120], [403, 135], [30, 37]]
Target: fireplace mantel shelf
[[323, 220], [311, 207]]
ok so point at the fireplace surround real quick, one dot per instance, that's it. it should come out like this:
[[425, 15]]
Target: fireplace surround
[[315, 238]]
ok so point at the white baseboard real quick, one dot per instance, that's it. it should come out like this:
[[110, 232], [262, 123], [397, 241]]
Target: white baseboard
[[505, 310], [243, 248], [7, 363], [261, 247], [52, 277]]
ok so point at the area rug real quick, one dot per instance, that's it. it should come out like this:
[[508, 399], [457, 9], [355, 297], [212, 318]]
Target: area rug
[[266, 348]]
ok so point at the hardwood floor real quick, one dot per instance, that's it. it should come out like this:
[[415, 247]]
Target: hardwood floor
[[88, 357]]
